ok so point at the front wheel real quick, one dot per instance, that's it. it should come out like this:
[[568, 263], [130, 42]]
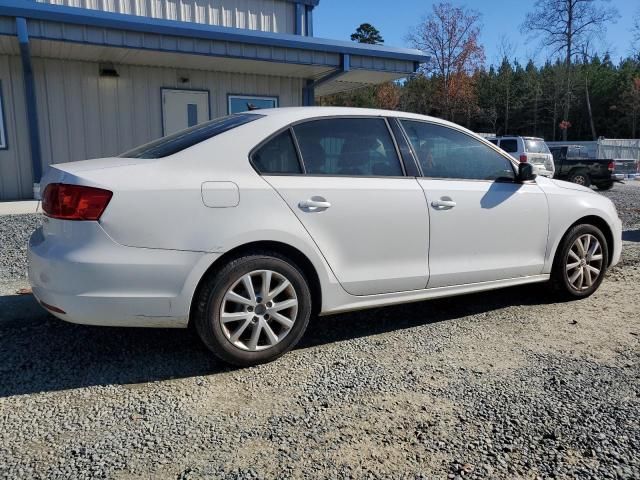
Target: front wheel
[[254, 309], [581, 262], [580, 177]]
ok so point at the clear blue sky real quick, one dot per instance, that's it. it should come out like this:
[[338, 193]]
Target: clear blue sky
[[338, 19]]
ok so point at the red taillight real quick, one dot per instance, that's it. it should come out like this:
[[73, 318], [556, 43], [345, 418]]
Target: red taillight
[[523, 158], [74, 202], [612, 166]]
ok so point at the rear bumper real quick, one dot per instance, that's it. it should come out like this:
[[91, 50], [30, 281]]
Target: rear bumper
[[77, 268], [540, 170]]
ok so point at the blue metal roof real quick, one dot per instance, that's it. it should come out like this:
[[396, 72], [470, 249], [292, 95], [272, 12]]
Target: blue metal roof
[[126, 22]]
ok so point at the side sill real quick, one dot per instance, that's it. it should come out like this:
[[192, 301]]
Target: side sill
[[371, 301]]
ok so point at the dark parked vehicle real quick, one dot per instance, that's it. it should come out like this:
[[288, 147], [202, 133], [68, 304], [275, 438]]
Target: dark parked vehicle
[[574, 165]]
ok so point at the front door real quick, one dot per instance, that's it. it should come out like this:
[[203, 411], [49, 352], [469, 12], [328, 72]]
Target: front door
[[183, 109], [484, 226], [370, 221]]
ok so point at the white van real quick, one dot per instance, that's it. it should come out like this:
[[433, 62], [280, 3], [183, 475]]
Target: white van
[[528, 150]]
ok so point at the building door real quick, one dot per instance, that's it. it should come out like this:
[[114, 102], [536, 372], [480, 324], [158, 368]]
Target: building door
[[183, 109]]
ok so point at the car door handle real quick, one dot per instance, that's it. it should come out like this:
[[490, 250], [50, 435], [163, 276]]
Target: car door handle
[[315, 204], [443, 204]]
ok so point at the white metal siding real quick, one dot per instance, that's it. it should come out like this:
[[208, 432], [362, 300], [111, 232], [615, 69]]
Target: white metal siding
[[266, 15], [15, 162], [83, 115]]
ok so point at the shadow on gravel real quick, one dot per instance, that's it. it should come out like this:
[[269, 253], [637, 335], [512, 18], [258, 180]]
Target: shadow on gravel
[[39, 353], [631, 236]]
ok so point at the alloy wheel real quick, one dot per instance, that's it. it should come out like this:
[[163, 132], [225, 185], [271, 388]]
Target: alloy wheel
[[259, 310], [584, 262]]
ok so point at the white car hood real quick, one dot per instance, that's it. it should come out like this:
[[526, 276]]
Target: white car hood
[[566, 185]]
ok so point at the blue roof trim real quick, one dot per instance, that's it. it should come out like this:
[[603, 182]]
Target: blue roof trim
[[313, 3], [119, 21]]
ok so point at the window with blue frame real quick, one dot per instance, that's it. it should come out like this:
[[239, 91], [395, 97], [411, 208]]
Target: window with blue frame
[[3, 132], [247, 103]]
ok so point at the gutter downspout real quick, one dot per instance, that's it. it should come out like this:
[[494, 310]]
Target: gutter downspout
[[31, 104], [300, 18], [309, 20]]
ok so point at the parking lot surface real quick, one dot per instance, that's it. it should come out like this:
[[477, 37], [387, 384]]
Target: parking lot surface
[[505, 384]]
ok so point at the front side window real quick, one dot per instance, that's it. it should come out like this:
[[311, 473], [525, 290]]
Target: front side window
[[277, 156], [447, 153], [536, 146], [3, 133], [509, 146], [348, 147], [165, 146], [247, 103]]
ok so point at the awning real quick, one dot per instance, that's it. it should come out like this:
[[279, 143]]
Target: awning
[[329, 66]]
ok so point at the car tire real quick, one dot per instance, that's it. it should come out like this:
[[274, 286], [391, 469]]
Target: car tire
[[605, 186], [573, 272], [227, 317], [580, 177]]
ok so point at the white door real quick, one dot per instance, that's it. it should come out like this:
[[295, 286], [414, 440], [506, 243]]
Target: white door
[[183, 109], [484, 226], [369, 221]]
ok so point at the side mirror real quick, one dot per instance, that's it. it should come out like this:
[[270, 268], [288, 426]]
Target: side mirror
[[525, 172]]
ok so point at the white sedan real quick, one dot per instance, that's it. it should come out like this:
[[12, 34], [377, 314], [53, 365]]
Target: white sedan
[[245, 226]]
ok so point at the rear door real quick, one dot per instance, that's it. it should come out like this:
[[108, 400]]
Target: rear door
[[483, 225], [368, 219]]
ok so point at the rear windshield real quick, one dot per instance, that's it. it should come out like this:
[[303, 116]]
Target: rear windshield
[[536, 146], [165, 146], [509, 146]]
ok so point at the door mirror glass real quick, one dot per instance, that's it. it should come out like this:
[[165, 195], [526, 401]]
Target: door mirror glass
[[525, 172]]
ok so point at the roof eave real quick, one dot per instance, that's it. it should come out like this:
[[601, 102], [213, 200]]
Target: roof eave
[[119, 21]]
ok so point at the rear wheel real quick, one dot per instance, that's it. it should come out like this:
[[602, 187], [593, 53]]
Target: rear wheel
[[581, 262], [580, 177], [254, 309]]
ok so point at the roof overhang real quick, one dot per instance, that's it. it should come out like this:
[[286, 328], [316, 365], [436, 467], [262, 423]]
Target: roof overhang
[[76, 33]]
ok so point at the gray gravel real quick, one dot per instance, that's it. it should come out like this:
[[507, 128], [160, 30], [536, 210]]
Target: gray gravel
[[505, 384], [15, 231]]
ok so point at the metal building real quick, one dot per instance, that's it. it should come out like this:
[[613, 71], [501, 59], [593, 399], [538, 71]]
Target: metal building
[[92, 78]]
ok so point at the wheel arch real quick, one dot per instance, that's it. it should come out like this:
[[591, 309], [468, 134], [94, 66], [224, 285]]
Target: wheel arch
[[597, 222], [290, 252]]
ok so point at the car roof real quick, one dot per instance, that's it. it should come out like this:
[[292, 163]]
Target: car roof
[[510, 137], [294, 114]]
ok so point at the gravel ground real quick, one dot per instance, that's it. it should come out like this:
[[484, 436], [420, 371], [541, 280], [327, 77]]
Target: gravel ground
[[15, 231], [505, 384]]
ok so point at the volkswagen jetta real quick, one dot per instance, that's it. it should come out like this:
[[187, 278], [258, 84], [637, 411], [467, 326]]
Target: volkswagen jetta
[[245, 226]]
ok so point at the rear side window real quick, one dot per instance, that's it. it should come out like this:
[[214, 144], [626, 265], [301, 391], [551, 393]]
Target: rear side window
[[277, 156], [447, 153], [536, 146], [509, 146], [577, 152], [165, 146], [349, 147], [494, 141]]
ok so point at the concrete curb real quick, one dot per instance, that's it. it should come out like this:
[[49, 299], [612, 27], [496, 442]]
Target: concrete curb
[[19, 208]]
